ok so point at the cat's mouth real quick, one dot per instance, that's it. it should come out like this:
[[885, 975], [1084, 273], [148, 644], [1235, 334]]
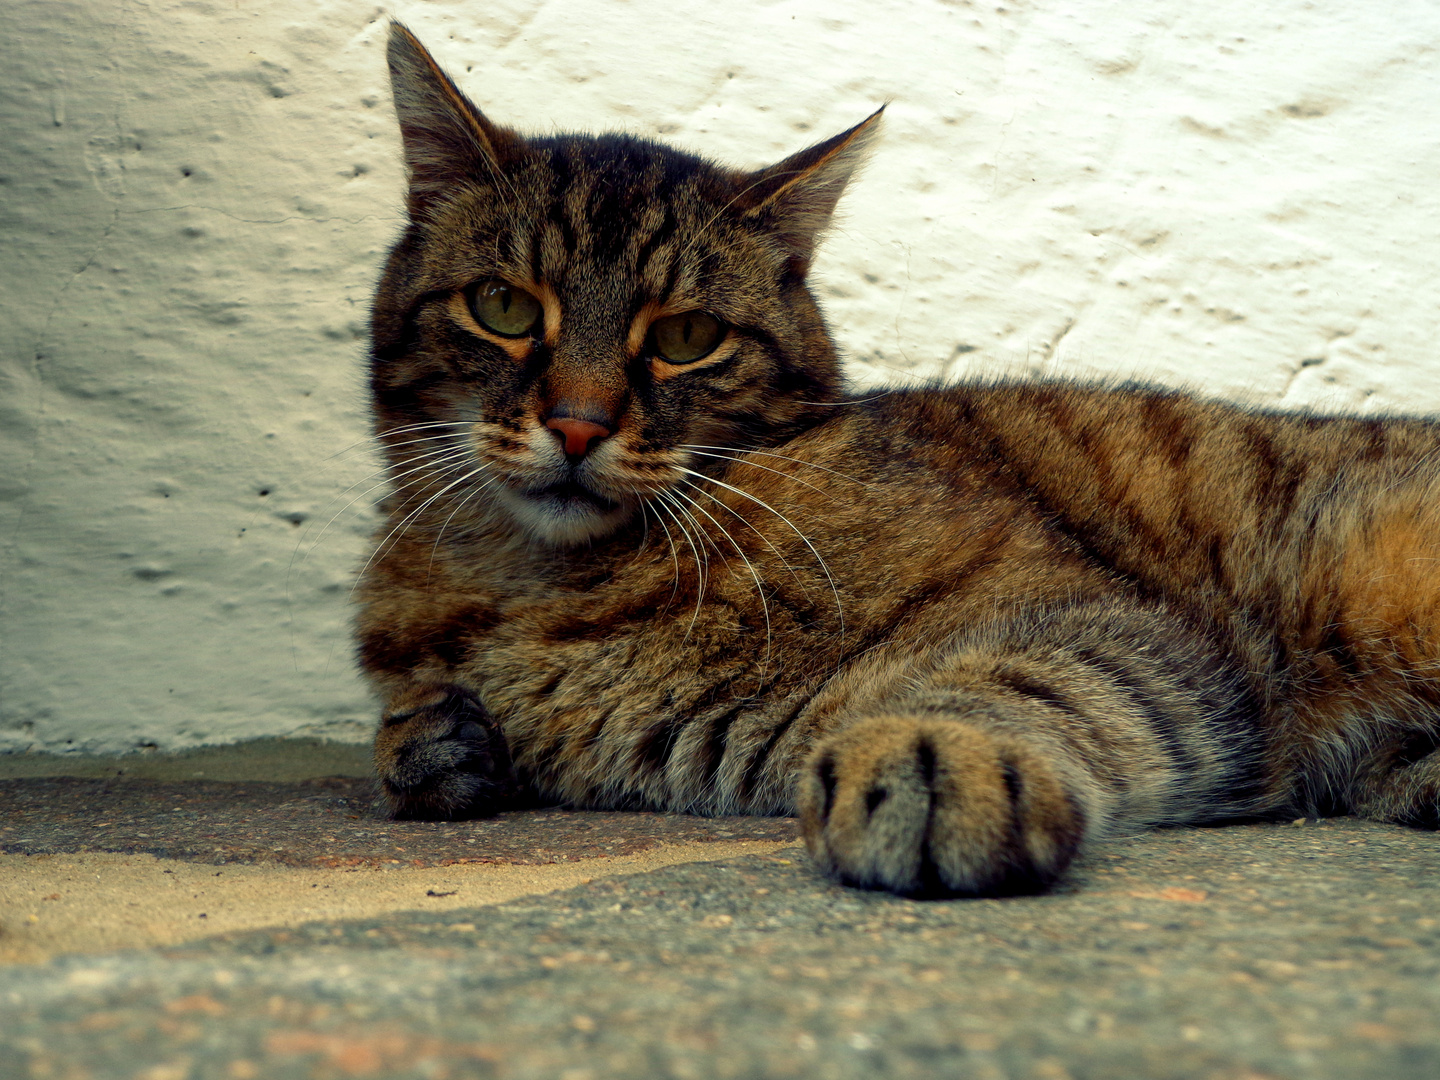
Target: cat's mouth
[[572, 495], [563, 513]]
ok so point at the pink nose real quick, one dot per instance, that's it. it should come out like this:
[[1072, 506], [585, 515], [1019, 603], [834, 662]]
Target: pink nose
[[578, 434]]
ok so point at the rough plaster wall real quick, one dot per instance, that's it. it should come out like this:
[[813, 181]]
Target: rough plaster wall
[[1233, 196]]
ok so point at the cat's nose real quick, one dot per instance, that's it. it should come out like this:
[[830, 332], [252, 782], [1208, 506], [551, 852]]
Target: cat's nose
[[577, 435]]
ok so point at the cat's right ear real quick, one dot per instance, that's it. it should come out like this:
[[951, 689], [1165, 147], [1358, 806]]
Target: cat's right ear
[[447, 140], [795, 199]]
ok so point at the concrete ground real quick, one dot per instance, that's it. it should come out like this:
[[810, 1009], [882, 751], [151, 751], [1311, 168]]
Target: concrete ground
[[244, 914]]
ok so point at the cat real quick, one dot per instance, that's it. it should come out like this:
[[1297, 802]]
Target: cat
[[643, 550]]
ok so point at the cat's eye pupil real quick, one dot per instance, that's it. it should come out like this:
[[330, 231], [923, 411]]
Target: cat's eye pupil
[[686, 337], [505, 309]]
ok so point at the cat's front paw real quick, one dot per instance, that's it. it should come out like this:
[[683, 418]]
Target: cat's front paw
[[935, 808], [440, 755]]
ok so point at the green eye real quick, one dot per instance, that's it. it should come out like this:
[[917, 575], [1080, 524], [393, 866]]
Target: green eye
[[505, 310], [685, 338]]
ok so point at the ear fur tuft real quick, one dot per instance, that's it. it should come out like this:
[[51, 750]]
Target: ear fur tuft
[[797, 197]]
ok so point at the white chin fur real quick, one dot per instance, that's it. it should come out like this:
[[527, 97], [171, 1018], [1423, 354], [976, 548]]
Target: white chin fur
[[561, 524]]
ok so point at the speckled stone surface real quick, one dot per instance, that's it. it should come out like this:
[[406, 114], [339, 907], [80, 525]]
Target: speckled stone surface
[[1243, 953], [328, 821]]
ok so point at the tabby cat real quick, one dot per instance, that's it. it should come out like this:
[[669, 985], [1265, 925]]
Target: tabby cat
[[643, 550]]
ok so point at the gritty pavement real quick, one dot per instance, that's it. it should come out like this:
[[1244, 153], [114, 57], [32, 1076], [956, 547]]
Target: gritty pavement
[[1240, 953], [331, 821]]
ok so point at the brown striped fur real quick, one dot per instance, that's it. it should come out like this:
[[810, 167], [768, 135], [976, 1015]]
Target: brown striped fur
[[961, 630]]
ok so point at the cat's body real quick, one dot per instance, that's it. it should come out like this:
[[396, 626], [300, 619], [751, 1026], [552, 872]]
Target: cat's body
[[961, 630]]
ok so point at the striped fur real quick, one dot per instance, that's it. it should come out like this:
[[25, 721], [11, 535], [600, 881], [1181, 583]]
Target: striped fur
[[961, 631]]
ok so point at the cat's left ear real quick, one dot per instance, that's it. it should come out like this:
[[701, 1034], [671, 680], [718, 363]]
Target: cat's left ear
[[796, 198]]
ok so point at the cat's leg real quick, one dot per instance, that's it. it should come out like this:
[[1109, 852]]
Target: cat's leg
[[1024, 740], [439, 754]]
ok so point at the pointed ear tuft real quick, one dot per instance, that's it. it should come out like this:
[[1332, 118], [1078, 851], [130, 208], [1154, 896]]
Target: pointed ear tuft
[[447, 140], [796, 197]]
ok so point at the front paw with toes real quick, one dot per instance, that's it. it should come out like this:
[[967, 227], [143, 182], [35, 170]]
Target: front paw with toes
[[935, 808], [442, 756]]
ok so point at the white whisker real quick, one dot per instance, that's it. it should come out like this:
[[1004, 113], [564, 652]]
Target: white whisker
[[756, 465], [759, 584], [372, 440], [384, 545], [750, 525], [839, 608], [769, 453], [390, 481], [449, 437], [850, 401], [674, 557], [446, 524], [700, 576]]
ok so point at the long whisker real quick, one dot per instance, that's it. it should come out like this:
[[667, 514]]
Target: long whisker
[[444, 467], [448, 437], [839, 608], [370, 440], [767, 468], [674, 557], [432, 459], [428, 460], [441, 466], [851, 401], [384, 545], [640, 548], [690, 526], [310, 545], [439, 458], [750, 525], [664, 504], [699, 594], [429, 425], [782, 457], [440, 469], [759, 585], [423, 425], [406, 520], [443, 456], [403, 525], [446, 524]]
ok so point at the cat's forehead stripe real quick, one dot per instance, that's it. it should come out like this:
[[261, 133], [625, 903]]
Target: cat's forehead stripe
[[579, 236], [660, 223]]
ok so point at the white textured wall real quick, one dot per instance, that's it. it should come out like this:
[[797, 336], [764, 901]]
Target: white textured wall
[[1242, 197]]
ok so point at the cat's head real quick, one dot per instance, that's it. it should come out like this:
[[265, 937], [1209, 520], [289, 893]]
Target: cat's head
[[572, 322]]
